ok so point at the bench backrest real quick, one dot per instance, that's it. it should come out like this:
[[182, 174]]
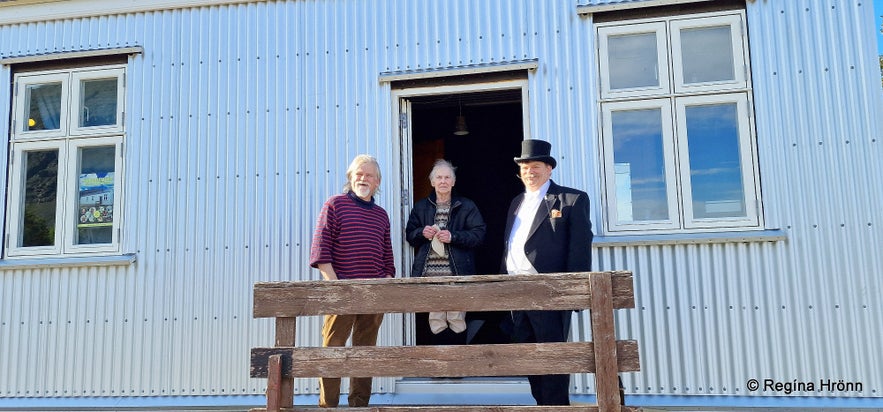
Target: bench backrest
[[558, 291], [600, 292]]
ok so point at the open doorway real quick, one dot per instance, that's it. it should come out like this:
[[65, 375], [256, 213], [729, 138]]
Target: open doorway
[[485, 173]]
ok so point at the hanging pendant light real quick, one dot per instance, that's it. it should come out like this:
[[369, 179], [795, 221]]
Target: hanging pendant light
[[460, 127]]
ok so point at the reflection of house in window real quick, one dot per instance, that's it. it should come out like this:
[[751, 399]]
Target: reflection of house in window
[[721, 208], [96, 202], [96, 189], [623, 179], [97, 197]]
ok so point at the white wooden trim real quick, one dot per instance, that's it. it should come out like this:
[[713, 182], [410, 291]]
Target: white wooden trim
[[457, 71], [91, 262], [589, 9], [23, 11], [71, 55]]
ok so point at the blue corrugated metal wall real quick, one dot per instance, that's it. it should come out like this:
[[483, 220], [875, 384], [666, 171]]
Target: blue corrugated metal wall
[[241, 119]]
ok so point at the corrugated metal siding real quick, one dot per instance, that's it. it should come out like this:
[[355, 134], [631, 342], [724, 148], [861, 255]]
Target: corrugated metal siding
[[711, 317], [242, 118], [820, 148]]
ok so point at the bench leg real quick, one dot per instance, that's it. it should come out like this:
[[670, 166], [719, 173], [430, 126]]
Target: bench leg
[[604, 339], [274, 383], [285, 336]]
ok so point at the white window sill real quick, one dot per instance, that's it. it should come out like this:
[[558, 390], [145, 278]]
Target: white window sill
[[769, 235], [67, 262]]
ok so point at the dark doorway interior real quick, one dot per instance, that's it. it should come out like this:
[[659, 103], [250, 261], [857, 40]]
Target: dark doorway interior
[[485, 173]]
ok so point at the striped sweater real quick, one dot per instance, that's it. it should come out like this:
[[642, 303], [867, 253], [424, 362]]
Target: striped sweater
[[354, 236]]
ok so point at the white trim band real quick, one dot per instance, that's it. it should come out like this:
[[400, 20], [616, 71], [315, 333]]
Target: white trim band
[[71, 55], [589, 9], [389, 77]]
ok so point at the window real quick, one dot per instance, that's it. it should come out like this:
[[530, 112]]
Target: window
[[676, 125], [66, 162]]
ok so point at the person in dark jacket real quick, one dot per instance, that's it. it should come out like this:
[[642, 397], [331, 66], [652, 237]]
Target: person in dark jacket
[[444, 230], [548, 230]]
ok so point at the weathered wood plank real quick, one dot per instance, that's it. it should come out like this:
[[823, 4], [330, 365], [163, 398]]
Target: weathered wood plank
[[442, 361], [497, 408], [603, 337], [602, 291], [286, 332], [553, 291], [274, 383]]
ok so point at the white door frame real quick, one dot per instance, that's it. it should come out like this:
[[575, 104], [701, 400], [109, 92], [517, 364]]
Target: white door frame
[[401, 121]]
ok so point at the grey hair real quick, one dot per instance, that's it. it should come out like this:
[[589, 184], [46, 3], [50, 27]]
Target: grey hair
[[443, 163], [358, 161]]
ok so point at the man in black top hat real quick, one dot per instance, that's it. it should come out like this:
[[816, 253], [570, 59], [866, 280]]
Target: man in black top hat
[[548, 231]]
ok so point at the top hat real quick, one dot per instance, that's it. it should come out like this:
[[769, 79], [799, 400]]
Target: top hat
[[534, 149]]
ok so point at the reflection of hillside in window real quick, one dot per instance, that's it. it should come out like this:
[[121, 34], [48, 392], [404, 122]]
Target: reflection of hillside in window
[[65, 148], [41, 191]]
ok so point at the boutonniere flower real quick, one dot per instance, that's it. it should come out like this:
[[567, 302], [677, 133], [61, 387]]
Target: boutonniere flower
[[555, 213]]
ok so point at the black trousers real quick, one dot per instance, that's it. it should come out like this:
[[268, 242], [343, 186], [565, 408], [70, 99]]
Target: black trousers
[[539, 327]]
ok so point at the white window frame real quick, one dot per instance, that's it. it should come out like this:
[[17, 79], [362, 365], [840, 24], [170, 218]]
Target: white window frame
[[21, 115], [662, 67], [67, 140], [673, 101], [739, 44], [15, 214], [750, 185], [76, 79], [671, 186], [72, 182]]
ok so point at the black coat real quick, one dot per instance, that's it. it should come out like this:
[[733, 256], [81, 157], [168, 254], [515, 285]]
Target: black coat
[[560, 240], [560, 237], [467, 229]]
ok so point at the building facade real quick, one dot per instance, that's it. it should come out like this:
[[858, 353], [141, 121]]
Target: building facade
[[161, 158]]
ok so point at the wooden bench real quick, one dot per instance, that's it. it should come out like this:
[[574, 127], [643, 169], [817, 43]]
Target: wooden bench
[[600, 292]]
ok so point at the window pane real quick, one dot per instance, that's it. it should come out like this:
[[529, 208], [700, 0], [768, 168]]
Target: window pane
[[639, 165], [94, 217], [632, 61], [98, 102], [707, 54], [44, 106], [40, 193], [715, 169]]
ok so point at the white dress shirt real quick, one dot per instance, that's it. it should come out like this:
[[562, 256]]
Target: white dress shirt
[[516, 261]]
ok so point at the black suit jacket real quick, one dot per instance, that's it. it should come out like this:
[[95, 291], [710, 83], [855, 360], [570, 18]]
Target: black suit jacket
[[560, 238]]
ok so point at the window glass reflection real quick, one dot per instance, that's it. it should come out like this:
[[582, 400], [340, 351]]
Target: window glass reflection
[[94, 217], [715, 169], [632, 61], [639, 165], [707, 54], [40, 193], [98, 102], [44, 106]]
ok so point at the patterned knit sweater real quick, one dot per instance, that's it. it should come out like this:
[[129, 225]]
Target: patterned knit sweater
[[437, 265], [354, 236]]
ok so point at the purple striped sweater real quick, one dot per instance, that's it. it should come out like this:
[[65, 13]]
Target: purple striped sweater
[[354, 236]]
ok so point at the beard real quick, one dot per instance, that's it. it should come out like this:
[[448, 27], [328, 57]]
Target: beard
[[362, 191]]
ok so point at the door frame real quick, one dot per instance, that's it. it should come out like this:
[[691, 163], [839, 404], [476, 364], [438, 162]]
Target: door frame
[[402, 121]]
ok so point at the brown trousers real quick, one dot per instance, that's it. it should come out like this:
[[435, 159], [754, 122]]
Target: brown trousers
[[335, 332]]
